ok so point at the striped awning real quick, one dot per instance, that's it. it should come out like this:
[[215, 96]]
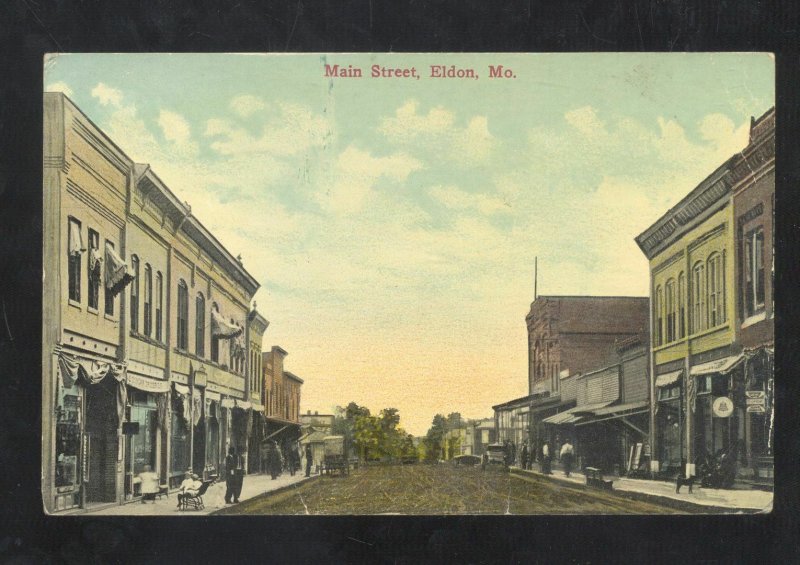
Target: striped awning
[[668, 379], [721, 366]]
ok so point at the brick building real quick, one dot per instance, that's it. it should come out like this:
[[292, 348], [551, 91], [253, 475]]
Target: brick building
[[145, 324]]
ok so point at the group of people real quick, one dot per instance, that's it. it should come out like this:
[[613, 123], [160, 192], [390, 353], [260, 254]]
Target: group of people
[[526, 456]]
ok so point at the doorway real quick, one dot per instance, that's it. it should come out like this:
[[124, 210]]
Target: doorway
[[101, 428]]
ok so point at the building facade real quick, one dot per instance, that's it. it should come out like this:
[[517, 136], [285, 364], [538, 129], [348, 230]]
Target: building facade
[[143, 313], [282, 395], [712, 315]]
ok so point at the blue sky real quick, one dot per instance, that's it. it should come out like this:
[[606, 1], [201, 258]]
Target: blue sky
[[393, 223]]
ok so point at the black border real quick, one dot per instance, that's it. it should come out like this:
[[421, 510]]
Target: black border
[[30, 28]]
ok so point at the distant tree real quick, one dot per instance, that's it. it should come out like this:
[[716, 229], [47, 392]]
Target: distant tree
[[434, 440]]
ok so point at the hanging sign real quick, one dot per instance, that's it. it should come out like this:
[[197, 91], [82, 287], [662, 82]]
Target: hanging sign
[[722, 407], [755, 401], [758, 408], [754, 393]]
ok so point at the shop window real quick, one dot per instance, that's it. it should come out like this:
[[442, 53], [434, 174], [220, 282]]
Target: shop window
[[148, 301], [703, 384], [681, 306], [716, 290], [753, 246], [68, 437], [698, 298], [183, 315], [200, 325], [74, 250], [108, 295], [159, 304], [135, 294], [93, 269]]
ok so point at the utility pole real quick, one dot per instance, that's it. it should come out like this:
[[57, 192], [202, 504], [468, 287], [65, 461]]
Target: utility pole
[[535, 276]]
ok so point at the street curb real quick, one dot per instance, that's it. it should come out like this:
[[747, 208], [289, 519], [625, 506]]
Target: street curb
[[230, 510], [684, 505]]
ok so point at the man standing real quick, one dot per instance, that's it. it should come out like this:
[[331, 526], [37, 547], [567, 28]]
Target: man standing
[[230, 475], [546, 458], [524, 455], [309, 459]]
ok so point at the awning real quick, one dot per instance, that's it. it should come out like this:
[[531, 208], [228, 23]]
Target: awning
[[668, 379], [228, 403], [181, 389], [118, 273], [623, 409], [722, 366], [575, 414], [211, 395], [147, 384], [222, 328], [257, 407], [243, 404]]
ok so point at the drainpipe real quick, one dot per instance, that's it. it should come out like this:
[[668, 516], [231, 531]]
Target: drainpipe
[[654, 463]]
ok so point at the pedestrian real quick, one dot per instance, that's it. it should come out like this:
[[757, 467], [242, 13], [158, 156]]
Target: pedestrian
[[484, 461], [567, 455], [148, 481], [546, 459], [513, 453], [230, 476], [309, 459], [524, 455], [274, 460]]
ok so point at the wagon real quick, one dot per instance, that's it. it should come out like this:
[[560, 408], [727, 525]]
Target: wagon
[[335, 455]]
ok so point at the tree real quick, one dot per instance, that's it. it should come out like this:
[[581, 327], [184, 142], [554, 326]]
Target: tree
[[435, 439]]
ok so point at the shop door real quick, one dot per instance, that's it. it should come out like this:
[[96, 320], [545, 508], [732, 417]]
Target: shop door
[[101, 425], [199, 449]]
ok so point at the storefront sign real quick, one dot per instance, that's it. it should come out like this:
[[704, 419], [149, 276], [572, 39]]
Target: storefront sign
[[722, 407], [147, 384], [755, 401], [758, 408], [200, 378], [754, 394]]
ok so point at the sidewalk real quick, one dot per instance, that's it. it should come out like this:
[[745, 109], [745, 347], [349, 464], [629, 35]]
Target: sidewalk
[[664, 492], [214, 499]]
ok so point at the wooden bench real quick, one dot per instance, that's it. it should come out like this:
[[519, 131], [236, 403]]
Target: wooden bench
[[594, 478]]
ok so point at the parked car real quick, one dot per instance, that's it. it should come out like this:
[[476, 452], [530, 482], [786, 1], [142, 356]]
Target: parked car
[[466, 460], [496, 453]]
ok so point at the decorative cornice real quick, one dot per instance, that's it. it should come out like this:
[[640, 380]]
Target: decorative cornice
[[85, 197]]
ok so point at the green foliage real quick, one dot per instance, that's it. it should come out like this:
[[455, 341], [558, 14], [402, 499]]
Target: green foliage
[[374, 437]]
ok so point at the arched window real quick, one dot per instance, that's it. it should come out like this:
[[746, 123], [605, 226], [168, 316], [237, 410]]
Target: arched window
[[215, 340], [159, 304], [135, 293], [681, 305], [183, 315], [658, 317], [669, 299], [698, 298], [716, 290], [148, 301], [200, 325]]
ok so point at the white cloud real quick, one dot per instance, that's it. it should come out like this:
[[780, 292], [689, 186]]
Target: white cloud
[[585, 120], [457, 199], [174, 126], [59, 86], [355, 174], [292, 130], [436, 132], [246, 105], [107, 95]]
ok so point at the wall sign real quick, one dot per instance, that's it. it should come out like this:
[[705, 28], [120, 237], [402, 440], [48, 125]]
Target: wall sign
[[722, 407]]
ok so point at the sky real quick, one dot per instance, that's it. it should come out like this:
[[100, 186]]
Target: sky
[[393, 222]]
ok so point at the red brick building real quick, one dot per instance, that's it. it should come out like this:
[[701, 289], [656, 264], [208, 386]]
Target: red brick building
[[574, 334]]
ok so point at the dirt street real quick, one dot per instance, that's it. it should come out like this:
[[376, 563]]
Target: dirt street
[[441, 489]]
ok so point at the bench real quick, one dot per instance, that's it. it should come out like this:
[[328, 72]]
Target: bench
[[594, 478]]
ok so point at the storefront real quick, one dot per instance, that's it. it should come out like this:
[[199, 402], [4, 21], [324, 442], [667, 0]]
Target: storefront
[[214, 447], [258, 432], [180, 438], [669, 422], [90, 402]]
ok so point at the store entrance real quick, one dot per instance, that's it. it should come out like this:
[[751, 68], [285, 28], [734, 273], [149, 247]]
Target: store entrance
[[101, 428]]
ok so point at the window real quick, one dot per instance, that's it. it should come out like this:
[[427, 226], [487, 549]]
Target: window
[[753, 272], [148, 301], [109, 296], [681, 306], [698, 291], [215, 340], [74, 250], [183, 315], [658, 316], [135, 294], [159, 303], [716, 290], [93, 269], [200, 326], [671, 313], [669, 392]]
